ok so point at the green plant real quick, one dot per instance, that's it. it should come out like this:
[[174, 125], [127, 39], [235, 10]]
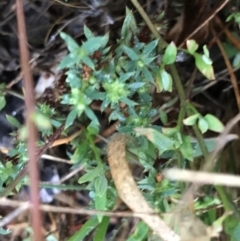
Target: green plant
[[122, 77]]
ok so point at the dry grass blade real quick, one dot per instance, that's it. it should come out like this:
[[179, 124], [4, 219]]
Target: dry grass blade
[[230, 69], [14, 214], [202, 177], [4, 202], [227, 32]]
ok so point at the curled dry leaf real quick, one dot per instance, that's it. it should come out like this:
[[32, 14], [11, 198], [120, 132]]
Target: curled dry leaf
[[129, 192]]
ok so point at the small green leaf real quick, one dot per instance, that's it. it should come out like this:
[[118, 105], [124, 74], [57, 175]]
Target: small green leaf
[[192, 46], [89, 176], [130, 53], [101, 231], [87, 32], [126, 129], [85, 229], [73, 79], [147, 74], [214, 124], [4, 231], [2, 101], [42, 121], [186, 148], [162, 142], [147, 60], [236, 232], [93, 128], [234, 16], [163, 117], [207, 60], [70, 118], [13, 121], [100, 204], [136, 85], [126, 76], [163, 80], [71, 43], [129, 25], [150, 47], [140, 63], [191, 120], [169, 131], [236, 60], [80, 152], [166, 81], [128, 101], [170, 54], [23, 133], [67, 62], [204, 66], [101, 185], [206, 52], [86, 60], [95, 43], [202, 125], [91, 115], [140, 233]]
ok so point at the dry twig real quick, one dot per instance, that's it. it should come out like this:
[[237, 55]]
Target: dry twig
[[230, 69], [36, 217]]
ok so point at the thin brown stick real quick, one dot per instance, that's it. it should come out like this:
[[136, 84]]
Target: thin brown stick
[[70, 5], [18, 211], [71, 174], [4, 202], [230, 36], [204, 23], [15, 80], [36, 217], [109, 131], [57, 159], [66, 139], [230, 69], [220, 33]]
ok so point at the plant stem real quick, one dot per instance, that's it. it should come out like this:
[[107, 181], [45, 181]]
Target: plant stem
[[181, 95], [94, 148], [162, 44], [227, 201]]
